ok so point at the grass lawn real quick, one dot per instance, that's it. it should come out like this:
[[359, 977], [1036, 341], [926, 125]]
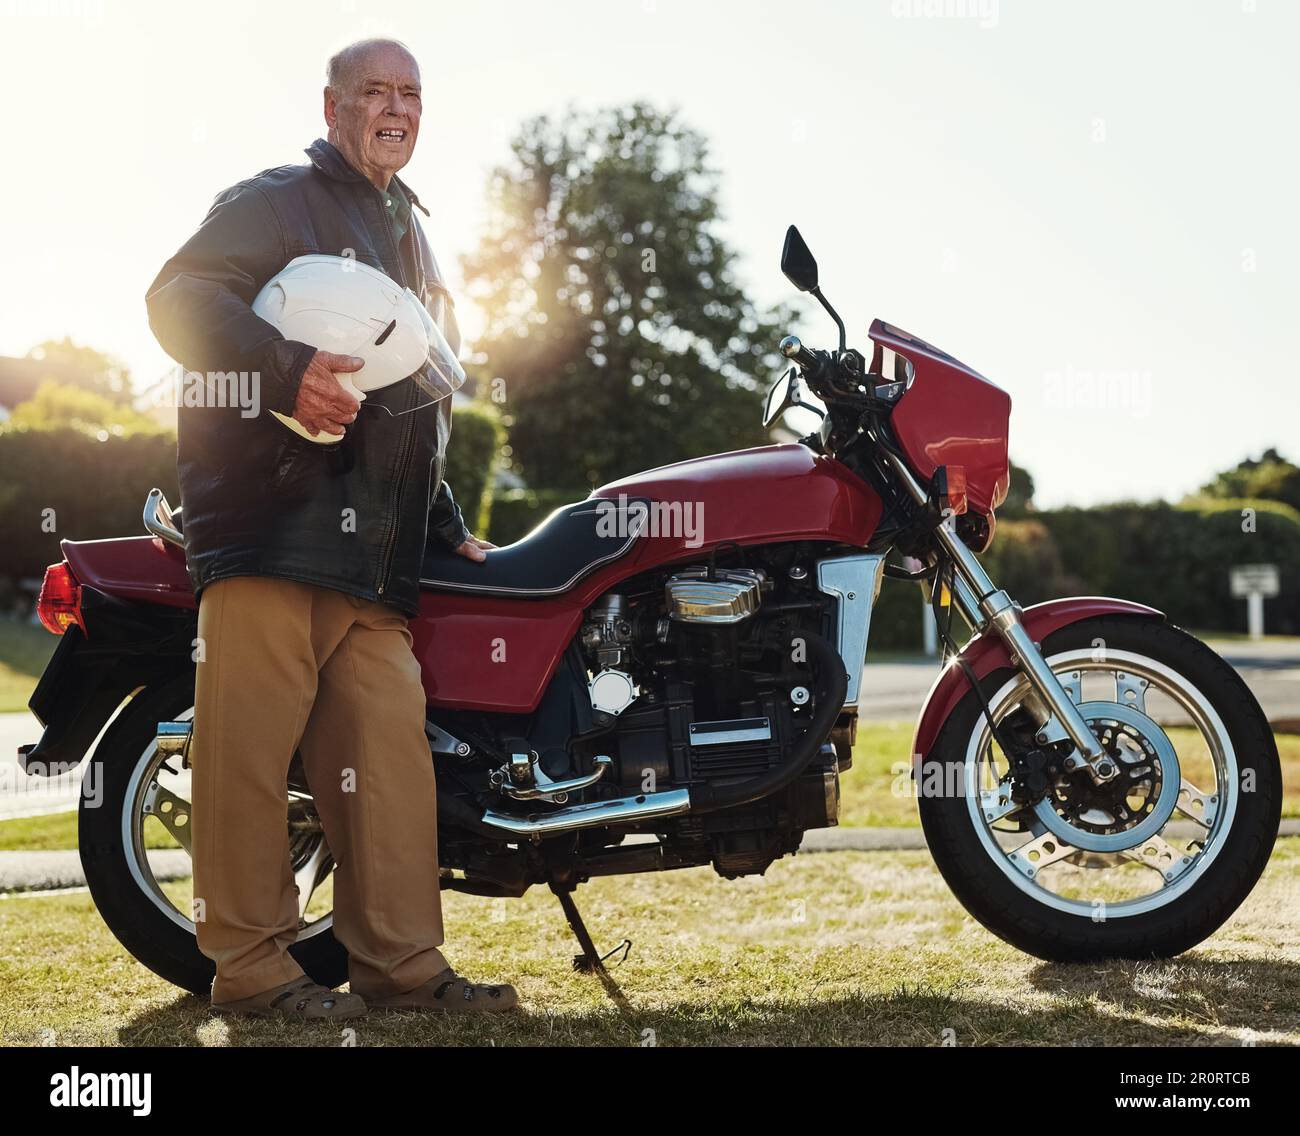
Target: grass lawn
[[846, 948], [58, 831], [24, 651], [50, 833]]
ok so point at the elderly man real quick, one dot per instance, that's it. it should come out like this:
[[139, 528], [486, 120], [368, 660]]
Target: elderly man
[[306, 558]]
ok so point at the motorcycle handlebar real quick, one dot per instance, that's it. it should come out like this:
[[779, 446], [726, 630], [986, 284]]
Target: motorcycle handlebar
[[794, 350]]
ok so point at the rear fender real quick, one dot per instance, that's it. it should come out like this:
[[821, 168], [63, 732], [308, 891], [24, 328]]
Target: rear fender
[[133, 568], [130, 645], [987, 653]]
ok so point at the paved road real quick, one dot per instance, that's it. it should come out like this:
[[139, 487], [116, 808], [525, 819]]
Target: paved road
[[893, 691], [21, 795], [896, 690]]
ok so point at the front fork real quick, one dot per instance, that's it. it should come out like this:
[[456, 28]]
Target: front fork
[[985, 606]]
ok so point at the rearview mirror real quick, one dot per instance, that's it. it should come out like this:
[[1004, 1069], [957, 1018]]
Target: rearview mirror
[[780, 398], [798, 262], [787, 394]]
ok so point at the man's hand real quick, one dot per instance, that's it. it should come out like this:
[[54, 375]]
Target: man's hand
[[472, 548], [322, 404]]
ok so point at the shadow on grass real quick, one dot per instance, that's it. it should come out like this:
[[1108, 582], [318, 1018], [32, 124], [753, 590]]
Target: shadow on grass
[[880, 955], [1160, 1003], [1242, 996]]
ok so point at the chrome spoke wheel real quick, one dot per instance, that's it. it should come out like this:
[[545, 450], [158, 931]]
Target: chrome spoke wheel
[[1129, 845], [157, 833]]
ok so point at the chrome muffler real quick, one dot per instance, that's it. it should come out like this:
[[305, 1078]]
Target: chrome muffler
[[621, 810]]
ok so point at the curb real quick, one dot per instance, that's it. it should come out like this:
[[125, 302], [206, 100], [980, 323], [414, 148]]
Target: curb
[[50, 871]]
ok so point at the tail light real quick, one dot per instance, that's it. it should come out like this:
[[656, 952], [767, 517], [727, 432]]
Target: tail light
[[59, 604]]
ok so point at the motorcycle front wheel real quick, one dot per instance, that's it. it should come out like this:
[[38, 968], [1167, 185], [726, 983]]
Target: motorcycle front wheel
[[1146, 865]]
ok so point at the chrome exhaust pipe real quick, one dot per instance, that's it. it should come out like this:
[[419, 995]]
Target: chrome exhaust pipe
[[832, 685], [622, 810]]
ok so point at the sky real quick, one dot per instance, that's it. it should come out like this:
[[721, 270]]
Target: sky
[[1092, 203]]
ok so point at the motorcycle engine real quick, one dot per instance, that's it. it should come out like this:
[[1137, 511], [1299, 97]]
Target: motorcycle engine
[[695, 683]]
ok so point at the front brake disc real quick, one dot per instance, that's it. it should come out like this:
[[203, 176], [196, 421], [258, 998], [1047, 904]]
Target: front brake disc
[[1155, 748]]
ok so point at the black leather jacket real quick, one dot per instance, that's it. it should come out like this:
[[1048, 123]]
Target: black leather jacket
[[258, 499]]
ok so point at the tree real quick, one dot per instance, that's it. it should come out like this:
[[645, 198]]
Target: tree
[[56, 405], [616, 328], [1020, 494], [72, 363], [1272, 478]]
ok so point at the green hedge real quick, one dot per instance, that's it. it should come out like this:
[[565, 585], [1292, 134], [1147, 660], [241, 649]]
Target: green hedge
[[1025, 559], [1177, 558], [896, 618], [477, 436], [95, 488], [517, 511]]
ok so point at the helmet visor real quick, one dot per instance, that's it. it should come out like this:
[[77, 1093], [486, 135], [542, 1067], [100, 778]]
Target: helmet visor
[[438, 376], [442, 374]]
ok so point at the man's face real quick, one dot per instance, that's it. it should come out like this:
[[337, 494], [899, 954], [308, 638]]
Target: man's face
[[374, 118]]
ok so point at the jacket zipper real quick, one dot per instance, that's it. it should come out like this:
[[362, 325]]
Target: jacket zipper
[[404, 454], [404, 466]]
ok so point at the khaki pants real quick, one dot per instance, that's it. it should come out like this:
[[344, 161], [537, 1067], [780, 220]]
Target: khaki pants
[[288, 665]]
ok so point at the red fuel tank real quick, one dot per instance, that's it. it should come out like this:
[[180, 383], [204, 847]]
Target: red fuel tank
[[768, 493]]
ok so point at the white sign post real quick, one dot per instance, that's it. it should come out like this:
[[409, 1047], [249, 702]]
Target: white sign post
[[1255, 582], [929, 629]]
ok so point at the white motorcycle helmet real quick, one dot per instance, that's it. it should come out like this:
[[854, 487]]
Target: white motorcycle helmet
[[338, 304]]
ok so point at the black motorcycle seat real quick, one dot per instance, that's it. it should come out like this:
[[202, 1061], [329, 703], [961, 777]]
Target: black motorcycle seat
[[571, 543]]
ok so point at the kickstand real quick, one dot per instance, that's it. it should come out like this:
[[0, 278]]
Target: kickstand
[[589, 962]]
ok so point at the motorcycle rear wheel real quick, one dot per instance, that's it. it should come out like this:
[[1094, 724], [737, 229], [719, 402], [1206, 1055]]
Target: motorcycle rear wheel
[[148, 919], [1031, 885]]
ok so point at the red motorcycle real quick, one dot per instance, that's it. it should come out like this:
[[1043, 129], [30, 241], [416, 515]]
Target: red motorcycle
[[667, 675]]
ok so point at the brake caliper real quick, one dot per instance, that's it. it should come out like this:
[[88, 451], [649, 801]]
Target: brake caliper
[[1033, 772]]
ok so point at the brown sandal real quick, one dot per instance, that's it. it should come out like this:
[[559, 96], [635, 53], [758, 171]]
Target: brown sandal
[[301, 998], [449, 993]]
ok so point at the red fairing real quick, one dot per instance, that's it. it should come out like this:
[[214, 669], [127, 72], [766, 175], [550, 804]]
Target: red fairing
[[986, 653], [487, 653], [950, 415], [132, 568]]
